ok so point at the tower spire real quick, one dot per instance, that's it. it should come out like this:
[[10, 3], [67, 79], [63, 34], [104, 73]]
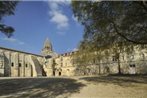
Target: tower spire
[[47, 48], [47, 44]]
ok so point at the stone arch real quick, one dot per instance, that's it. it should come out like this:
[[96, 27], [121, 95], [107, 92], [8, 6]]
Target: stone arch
[[54, 72], [59, 71]]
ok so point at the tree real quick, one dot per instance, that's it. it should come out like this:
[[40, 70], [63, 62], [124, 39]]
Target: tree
[[112, 25], [7, 8], [127, 19], [88, 55]]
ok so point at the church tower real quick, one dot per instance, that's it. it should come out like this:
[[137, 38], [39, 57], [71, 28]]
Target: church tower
[[47, 48]]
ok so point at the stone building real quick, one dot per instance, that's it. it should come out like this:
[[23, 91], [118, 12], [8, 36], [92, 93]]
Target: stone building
[[57, 64], [15, 63], [19, 64], [134, 62], [65, 65]]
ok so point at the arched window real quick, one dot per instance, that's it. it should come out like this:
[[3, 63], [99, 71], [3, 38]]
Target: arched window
[[114, 58], [132, 65], [12, 64], [26, 65], [19, 64]]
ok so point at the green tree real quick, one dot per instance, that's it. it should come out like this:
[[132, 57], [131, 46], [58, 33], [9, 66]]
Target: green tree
[[112, 25], [108, 20], [7, 8], [88, 55]]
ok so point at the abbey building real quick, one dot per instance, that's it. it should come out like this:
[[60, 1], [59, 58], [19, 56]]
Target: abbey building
[[15, 63]]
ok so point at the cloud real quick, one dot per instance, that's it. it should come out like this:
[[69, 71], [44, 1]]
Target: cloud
[[13, 40], [56, 14], [67, 2], [59, 19]]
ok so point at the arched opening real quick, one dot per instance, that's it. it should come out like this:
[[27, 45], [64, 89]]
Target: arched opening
[[26, 65], [53, 73], [19, 65], [12, 64], [12, 69], [19, 68], [59, 73], [59, 70]]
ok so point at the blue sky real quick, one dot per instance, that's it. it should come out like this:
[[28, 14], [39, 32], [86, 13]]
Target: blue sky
[[35, 21]]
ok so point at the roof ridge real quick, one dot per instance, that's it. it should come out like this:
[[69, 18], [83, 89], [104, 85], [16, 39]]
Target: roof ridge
[[19, 51]]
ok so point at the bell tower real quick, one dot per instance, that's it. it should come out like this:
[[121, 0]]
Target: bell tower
[[47, 48]]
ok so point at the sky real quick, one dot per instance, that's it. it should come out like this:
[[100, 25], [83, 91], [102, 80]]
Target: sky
[[34, 21]]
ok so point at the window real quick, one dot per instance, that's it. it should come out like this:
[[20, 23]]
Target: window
[[132, 65], [114, 58], [94, 61], [26, 65], [12, 64], [19, 65]]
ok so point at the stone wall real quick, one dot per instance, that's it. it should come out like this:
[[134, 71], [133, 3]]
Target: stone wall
[[19, 64]]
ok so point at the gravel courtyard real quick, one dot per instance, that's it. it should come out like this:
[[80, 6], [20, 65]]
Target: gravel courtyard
[[75, 87]]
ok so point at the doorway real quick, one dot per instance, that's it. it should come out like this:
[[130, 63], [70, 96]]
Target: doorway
[[53, 73], [59, 73], [132, 69]]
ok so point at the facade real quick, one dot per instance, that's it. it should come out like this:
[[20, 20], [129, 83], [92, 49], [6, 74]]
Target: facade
[[14, 63], [55, 64], [19, 64]]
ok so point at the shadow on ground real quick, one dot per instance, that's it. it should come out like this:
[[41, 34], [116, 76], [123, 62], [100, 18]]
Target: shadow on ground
[[121, 80], [38, 87]]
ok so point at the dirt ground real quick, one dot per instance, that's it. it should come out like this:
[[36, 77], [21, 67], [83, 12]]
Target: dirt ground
[[113, 87], [75, 87]]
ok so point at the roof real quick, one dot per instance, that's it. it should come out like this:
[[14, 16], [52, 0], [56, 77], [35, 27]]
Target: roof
[[20, 51], [68, 53]]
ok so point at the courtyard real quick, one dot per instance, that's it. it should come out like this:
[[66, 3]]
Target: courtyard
[[112, 86]]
